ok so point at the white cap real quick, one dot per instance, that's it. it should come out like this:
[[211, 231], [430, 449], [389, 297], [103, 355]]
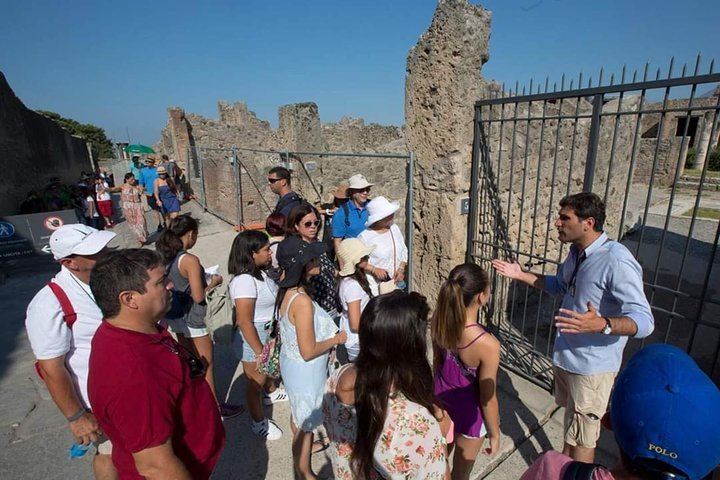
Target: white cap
[[358, 182], [78, 239]]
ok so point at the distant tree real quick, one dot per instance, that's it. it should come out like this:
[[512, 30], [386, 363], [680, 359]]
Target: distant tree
[[102, 147]]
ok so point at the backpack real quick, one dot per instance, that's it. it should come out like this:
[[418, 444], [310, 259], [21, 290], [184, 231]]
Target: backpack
[[220, 316], [581, 470], [346, 209], [69, 315]]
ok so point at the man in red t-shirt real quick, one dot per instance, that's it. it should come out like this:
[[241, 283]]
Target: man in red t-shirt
[[147, 392]]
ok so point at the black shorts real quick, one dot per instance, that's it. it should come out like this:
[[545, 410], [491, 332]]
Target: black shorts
[[152, 203]]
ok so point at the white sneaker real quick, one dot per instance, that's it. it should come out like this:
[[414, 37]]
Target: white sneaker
[[279, 395], [267, 429]]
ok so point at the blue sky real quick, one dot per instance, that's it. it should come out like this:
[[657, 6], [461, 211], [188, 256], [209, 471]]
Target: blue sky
[[119, 65]]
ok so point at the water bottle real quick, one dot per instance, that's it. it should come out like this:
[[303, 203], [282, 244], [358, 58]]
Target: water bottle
[[78, 450], [401, 285]]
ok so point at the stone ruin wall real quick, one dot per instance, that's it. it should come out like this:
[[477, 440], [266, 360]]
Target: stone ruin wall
[[207, 144]]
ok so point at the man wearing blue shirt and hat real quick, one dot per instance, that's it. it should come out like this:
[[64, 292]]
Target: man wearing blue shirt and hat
[[603, 304]]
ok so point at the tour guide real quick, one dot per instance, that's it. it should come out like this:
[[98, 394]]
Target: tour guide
[[603, 303]]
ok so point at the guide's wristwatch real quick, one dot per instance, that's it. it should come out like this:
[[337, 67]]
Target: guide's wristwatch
[[607, 329]]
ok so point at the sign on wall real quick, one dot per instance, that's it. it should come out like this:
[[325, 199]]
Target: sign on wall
[[27, 236]]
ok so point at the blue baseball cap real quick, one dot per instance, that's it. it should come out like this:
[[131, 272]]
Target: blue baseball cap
[[665, 408]]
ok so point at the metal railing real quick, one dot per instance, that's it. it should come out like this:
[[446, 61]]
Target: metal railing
[[629, 143]]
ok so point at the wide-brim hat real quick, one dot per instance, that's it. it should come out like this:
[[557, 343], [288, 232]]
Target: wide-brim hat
[[341, 191], [379, 208], [358, 182], [350, 252], [78, 239], [664, 400], [293, 254]]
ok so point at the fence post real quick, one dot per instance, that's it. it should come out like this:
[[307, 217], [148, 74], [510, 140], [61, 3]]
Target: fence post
[[202, 177], [474, 180], [409, 227], [236, 186], [593, 141]]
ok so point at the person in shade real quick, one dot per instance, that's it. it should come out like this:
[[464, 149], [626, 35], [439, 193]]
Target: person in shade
[[603, 304], [149, 393], [666, 422], [62, 343], [280, 184]]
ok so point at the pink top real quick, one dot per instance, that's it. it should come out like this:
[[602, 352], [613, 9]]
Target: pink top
[[552, 465]]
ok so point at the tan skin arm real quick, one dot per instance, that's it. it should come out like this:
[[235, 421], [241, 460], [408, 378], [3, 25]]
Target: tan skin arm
[[160, 462], [244, 314], [156, 191], [301, 315], [336, 243], [61, 388], [191, 269], [485, 354]]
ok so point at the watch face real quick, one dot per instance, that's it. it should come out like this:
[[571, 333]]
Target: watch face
[[607, 330]]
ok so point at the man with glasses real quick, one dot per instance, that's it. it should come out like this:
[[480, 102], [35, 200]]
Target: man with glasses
[[349, 220], [279, 181], [603, 304], [61, 320], [148, 392]]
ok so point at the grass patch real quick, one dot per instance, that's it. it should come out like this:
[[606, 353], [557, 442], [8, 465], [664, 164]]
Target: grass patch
[[691, 172], [704, 213]]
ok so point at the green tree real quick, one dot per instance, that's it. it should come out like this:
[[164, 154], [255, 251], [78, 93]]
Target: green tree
[[102, 147]]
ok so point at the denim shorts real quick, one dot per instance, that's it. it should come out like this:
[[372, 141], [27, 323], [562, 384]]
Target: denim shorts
[[242, 348]]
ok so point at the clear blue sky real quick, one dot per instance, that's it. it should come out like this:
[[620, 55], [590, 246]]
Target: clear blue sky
[[119, 65]]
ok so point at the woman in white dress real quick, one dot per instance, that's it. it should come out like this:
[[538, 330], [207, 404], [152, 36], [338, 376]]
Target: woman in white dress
[[386, 265], [308, 334]]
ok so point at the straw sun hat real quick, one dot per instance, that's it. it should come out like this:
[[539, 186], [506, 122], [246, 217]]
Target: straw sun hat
[[350, 252]]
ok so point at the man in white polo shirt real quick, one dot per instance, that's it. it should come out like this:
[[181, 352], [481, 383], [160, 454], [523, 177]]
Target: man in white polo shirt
[[61, 330]]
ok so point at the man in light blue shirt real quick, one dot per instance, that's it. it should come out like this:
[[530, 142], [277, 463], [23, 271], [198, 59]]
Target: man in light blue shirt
[[603, 304], [147, 178]]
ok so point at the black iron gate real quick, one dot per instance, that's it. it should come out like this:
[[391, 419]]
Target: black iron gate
[[649, 148]]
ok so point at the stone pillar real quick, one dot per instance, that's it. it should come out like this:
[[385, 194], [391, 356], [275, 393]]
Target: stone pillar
[[180, 134], [443, 83], [704, 144]]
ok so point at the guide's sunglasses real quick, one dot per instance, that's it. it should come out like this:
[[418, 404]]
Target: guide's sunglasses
[[311, 224], [361, 190], [273, 180], [196, 366]]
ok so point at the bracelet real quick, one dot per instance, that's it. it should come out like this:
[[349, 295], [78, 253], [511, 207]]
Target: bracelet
[[77, 415]]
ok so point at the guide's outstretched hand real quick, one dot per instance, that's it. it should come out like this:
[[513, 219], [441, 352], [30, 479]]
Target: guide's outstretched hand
[[507, 269]]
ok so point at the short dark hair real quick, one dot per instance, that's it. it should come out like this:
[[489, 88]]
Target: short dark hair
[[241, 253], [586, 205], [119, 271], [164, 157], [282, 173], [296, 214], [275, 224], [128, 176]]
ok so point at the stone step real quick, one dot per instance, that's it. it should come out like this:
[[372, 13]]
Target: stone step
[[694, 185], [696, 179]]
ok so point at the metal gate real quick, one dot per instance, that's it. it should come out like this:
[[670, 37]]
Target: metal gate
[[647, 147]]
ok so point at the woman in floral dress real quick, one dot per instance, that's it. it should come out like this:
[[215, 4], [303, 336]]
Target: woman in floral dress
[[389, 391], [130, 200]]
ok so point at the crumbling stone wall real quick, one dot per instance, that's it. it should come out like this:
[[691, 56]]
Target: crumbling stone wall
[[222, 150], [33, 149]]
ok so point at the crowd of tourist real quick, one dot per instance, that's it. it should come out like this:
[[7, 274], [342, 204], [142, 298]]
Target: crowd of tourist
[[353, 356]]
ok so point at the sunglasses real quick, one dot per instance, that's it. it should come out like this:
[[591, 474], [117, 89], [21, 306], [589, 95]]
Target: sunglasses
[[362, 190], [195, 365], [311, 224], [273, 180]]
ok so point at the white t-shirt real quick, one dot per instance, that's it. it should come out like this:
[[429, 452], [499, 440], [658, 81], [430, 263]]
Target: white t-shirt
[[50, 336], [263, 291], [351, 291], [386, 254]]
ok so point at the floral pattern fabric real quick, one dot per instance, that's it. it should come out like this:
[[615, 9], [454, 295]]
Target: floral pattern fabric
[[411, 445], [133, 211]]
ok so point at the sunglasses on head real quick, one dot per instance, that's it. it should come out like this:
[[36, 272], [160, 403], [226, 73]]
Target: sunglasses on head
[[273, 180], [311, 224]]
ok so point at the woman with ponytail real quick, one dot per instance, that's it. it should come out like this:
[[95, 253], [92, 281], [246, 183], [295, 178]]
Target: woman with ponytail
[[466, 363], [186, 317]]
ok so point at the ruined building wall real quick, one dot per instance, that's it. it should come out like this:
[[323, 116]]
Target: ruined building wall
[[33, 149]]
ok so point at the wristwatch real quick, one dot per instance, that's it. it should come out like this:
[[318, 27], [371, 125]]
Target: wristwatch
[[607, 329]]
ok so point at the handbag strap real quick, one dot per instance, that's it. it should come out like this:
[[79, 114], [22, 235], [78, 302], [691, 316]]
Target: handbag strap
[[392, 237]]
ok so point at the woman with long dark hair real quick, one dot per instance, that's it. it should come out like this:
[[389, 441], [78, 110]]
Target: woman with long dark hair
[[254, 295], [466, 363], [308, 334], [303, 222], [130, 200], [387, 391], [186, 317]]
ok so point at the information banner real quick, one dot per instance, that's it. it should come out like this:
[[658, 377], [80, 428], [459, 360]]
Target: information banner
[[27, 236]]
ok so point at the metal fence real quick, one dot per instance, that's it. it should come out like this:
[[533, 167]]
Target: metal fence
[[631, 142], [231, 183]]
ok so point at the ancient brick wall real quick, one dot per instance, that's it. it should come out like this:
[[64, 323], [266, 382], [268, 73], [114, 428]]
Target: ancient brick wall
[[33, 149]]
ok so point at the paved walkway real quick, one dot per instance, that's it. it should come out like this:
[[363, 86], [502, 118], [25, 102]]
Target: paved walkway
[[36, 438]]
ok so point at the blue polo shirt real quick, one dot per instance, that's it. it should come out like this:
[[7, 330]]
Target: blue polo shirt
[[612, 280], [147, 180], [350, 225]]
